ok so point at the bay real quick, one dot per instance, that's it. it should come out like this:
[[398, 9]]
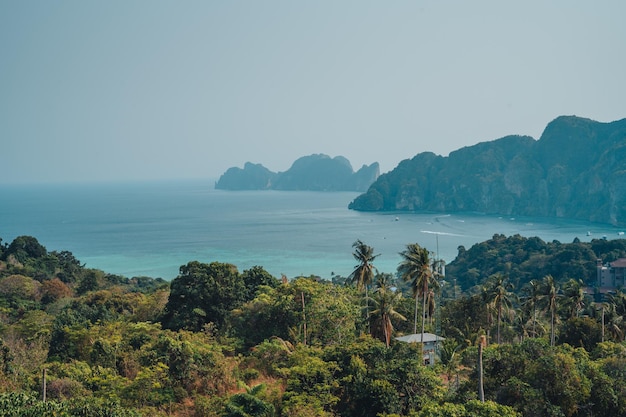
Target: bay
[[152, 228]]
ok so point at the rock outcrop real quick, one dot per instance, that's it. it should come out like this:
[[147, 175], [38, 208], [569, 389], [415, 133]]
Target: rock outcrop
[[316, 172], [577, 169]]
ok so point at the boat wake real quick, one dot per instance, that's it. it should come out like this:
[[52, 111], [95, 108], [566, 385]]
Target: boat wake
[[432, 232]]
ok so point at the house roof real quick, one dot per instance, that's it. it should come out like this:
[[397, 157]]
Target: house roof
[[417, 338], [619, 263]]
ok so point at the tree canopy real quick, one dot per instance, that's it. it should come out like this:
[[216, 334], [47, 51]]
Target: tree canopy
[[216, 342]]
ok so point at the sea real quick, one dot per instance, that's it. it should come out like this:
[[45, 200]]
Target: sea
[[153, 228]]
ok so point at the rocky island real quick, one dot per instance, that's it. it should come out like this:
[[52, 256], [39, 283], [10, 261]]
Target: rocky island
[[316, 172], [577, 169]]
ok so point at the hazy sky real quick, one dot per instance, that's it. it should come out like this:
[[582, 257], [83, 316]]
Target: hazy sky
[[110, 90]]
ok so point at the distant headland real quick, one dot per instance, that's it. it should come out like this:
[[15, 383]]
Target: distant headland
[[576, 170], [317, 172]]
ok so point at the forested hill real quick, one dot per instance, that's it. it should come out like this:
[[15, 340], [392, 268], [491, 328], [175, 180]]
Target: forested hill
[[577, 169], [316, 172], [522, 259]]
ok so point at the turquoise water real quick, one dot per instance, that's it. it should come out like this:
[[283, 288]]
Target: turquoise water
[[153, 228]]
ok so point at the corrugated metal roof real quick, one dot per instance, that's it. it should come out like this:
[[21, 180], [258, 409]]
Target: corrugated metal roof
[[417, 338]]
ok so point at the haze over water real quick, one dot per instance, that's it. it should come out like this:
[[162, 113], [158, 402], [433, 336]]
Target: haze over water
[[151, 229]]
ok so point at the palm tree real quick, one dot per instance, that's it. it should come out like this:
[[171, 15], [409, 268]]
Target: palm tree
[[527, 321], [611, 321], [613, 325], [385, 300], [522, 324], [550, 298], [614, 315], [415, 268], [436, 267], [500, 296], [531, 299], [363, 272], [489, 309], [467, 336], [574, 296], [618, 300], [449, 358], [249, 404]]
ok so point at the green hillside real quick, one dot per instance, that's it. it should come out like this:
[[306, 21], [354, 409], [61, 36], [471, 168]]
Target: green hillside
[[219, 342]]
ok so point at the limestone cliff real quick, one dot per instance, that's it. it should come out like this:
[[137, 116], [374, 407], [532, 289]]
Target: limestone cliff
[[316, 172], [577, 169]]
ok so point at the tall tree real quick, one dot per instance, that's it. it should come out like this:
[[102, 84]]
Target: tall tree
[[574, 297], [435, 288], [613, 324], [254, 277], [499, 294], [530, 300], [203, 293], [385, 300], [550, 298], [488, 306], [415, 268], [614, 313], [363, 272]]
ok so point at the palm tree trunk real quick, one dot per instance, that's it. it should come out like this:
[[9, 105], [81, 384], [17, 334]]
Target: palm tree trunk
[[367, 311], [415, 322], [386, 329], [303, 317], [481, 389], [489, 323], [552, 328], [603, 324], [423, 317], [499, 319]]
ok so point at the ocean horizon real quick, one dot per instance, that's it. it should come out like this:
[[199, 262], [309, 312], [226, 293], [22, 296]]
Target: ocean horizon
[[152, 228]]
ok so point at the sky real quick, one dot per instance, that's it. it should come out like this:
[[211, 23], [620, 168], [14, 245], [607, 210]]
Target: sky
[[150, 90]]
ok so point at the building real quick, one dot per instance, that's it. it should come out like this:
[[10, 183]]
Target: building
[[431, 345], [611, 275]]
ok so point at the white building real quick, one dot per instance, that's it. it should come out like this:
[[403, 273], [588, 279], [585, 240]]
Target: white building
[[431, 344], [611, 275]]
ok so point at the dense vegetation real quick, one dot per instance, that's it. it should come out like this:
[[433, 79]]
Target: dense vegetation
[[524, 259], [219, 342], [577, 169]]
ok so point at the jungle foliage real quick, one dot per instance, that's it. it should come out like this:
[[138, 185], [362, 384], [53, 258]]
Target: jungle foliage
[[523, 259], [219, 342]]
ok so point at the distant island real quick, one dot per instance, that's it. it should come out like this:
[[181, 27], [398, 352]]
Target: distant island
[[317, 172], [577, 170]]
